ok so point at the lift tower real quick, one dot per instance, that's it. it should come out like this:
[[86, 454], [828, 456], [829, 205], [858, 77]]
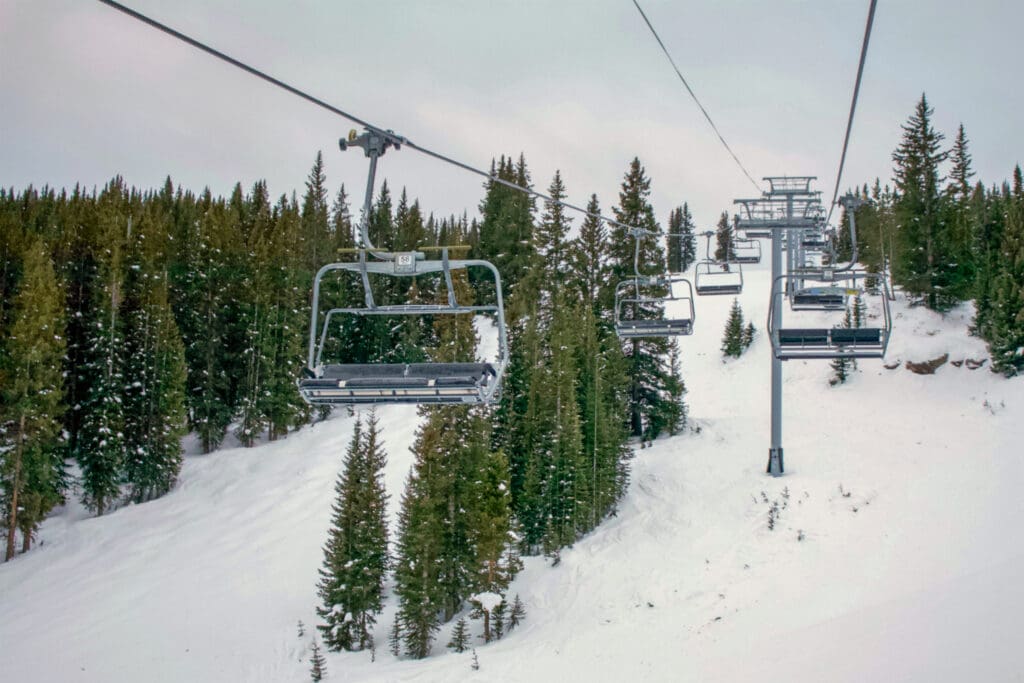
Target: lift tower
[[788, 208]]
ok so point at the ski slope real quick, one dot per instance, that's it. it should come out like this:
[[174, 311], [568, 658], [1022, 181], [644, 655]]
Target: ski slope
[[897, 555]]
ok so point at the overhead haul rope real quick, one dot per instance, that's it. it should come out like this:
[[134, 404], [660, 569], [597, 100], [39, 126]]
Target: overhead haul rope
[[351, 117], [853, 105], [694, 96]]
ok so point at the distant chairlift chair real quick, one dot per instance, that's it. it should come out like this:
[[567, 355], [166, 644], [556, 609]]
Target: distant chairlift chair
[[712, 277], [748, 250]]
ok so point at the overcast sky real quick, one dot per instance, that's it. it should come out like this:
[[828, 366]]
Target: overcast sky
[[580, 86]]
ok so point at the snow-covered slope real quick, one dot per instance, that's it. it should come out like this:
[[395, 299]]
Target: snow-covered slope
[[896, 555]]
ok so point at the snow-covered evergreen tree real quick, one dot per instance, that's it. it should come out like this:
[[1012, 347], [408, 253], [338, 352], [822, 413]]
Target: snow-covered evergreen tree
[[732, 341], [31, 385], [355, 556]]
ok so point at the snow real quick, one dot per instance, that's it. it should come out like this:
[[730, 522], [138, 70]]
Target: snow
[[487, 601], [905, 490]]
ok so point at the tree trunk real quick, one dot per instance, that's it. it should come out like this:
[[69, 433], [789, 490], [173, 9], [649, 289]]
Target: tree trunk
[[12, 525]]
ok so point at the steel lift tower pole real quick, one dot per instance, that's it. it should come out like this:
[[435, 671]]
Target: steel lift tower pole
[[789, 206]]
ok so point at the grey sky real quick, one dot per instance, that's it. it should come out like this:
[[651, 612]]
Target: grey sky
[[86, 93]]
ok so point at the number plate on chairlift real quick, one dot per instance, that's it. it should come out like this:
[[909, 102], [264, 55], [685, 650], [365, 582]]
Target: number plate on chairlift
[[405, 262]]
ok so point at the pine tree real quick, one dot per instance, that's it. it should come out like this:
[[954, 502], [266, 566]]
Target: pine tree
[[517, 614], [155, 367], [748, 335], [682, 247], [589, 265], [355, 556], [959, 272], [672, 411], [498, 619], [395, 636], [732, 341], [603, 383], [841, 366], [506, 231], [315, 233], [988, 218], [318, 665], [1006, 326], [202, 291], [254, 321], [460, 636], [558, 454], [101, 447], [285, 314], [647, 370], [551, 243], [923, 256], [724, 244], [30, 398]]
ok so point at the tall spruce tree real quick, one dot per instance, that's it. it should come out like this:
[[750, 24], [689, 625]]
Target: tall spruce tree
[[646, 357], [155, 369], [725, 248], [682, 246], [355, 557], [448, 518], [732, 341], [989, 209], [254, 321], [506, 230], [315, 233], [589, 263], [31, 387], [922, 259], [206, 312], [1005, 331], [101, 445]]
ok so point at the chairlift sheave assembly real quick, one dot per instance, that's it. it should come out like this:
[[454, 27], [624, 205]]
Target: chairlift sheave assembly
[[429, 383]]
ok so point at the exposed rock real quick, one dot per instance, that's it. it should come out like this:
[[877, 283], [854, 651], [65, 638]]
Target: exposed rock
[[891, 366], [928, 367], [975, 364], [956, 363]]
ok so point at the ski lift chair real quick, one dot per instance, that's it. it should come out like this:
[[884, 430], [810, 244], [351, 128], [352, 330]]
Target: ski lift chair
[[628, 325], [717, 277], [822, 342], [820, 298], [748, 250], [430, 383]]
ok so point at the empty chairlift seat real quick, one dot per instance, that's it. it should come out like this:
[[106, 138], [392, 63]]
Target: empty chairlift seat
[[747, 251], [629, 329], [632, 321], [400, 383], [821, 298], [711, 278]]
